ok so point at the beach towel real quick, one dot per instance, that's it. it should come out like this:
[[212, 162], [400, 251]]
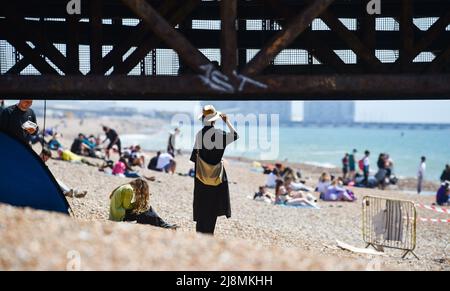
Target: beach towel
[[300, 206], [284, 205]]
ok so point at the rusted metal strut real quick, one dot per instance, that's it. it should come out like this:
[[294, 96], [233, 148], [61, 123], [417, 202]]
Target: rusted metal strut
[[192, 87]]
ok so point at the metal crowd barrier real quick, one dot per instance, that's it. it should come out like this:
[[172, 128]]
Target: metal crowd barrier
[[389, 223]]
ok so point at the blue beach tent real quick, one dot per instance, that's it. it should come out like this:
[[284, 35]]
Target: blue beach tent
[[25, 181]]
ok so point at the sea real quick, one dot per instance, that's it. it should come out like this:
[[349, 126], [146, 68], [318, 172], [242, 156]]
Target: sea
[[323, 146]]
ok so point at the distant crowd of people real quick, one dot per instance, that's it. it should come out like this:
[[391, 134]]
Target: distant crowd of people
[[385, 173], [355, 172], [130, 201], [290, 190]]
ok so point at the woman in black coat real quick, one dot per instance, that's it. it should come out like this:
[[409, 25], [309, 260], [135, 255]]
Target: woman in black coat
[[211, 202]]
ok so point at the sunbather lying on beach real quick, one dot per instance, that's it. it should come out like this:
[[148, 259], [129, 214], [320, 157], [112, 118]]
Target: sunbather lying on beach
[[291, 185], [68, 156], [122, 169], [288, 172], [283, 197], [337, 192], [130, 202], [263, 195]]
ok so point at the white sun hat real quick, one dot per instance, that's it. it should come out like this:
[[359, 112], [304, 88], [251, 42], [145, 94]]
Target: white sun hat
[[210, 114]]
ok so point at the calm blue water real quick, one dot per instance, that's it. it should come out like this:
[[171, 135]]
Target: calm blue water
[[326, 146]]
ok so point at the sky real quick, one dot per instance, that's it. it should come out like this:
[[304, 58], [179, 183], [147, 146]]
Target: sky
[[420, 111]]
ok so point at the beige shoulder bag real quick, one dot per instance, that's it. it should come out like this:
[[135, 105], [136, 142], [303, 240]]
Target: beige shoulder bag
[[211, 175]]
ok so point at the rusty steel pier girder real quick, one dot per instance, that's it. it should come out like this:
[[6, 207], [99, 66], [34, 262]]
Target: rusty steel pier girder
[[36, 34], [191, 87]]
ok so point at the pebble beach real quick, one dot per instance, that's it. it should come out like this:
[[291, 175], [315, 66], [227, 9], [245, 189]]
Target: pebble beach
[[258, 236]]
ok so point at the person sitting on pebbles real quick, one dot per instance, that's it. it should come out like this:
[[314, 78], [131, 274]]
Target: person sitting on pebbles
[[45, 155], [337, 192], [130, 202], [123, 169]]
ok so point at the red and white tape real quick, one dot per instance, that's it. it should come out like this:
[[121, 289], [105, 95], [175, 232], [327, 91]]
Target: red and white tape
[[434, 220], [433, 208]]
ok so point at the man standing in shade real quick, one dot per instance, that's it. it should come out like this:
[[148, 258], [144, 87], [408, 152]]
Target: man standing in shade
[[19, 121], [421, 174]]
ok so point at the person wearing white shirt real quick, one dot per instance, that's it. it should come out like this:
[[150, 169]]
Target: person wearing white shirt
[[272, 178], [166, 162], [421, 174]]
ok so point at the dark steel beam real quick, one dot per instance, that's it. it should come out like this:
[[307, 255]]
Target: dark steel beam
[[327, 56], [242, 52], [437, 29], [324, 69], [282, 39], [407, 34], [354, 43], [31, 54], [318, 48], [153, 41], [440, 62], [209, 10], [367, 30], [47, 49], [425, 41], [139, 33], [72, 45], [96, 28], [56, 32], [37, 34], [18, 66], [190, 55], [228, 40], [191, 87]]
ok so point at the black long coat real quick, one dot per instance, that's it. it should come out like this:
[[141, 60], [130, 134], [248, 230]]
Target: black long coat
[[212, 201]]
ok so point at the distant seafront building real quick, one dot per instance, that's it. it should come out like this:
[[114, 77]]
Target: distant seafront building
[[283, 108], [329, 112]]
